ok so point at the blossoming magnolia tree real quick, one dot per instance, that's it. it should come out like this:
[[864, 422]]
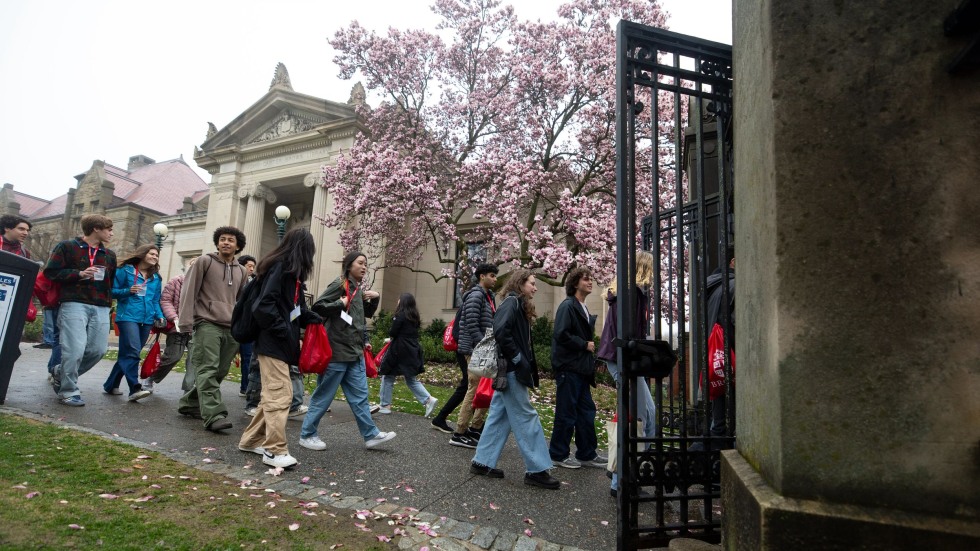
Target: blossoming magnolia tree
[[507, 126]]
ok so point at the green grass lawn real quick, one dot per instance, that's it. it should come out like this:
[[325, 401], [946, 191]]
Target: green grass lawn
[[65, 489]]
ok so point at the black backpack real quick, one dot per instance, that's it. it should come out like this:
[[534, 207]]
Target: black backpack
[[244, 329]]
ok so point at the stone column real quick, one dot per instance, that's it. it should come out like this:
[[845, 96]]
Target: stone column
[[858, 270], [257, 196], [313, 180]]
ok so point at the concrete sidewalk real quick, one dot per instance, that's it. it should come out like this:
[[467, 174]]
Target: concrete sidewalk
[[418, 469]]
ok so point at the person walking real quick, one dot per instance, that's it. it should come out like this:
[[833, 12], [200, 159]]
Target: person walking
[[136, 288], [510, 408], [279, 311], [646, 410], [177, 343], [573, 362], [245, 348], [404, 356], [476, 316], [84, 267], [344, 305], [209, 293]]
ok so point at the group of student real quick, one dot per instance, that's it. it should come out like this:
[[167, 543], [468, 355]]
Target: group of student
[[195, 309]]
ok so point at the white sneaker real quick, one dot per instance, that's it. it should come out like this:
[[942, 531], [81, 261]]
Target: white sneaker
[[384, 410], [375, 408], [256, 450], [139, 395], [379, 438], [430, 405], [313, 443], [147, 384], [284, 460], [300, 411], [250, 412]]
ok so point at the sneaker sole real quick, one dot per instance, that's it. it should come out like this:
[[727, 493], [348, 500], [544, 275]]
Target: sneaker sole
[[314, 448], [462, 445], [258, 451], [564, 466], [373, 443], [272, 464]]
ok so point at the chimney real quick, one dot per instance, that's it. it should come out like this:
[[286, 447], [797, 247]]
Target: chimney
[[137, 161]]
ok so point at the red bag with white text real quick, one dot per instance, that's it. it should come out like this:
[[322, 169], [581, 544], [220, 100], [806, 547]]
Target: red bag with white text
[[152, 360], [716, 363], [448, 339], [31, 311]]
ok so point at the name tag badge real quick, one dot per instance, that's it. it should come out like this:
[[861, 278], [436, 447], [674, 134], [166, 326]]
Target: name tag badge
[[346, 317], [294, 314]]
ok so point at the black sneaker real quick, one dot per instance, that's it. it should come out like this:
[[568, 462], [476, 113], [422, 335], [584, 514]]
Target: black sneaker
[[462, 441], [473, 435], [542, 480], [483, 470], [441, 424]]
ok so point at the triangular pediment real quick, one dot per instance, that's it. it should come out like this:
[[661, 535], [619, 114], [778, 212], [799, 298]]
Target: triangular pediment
[[279, 114]]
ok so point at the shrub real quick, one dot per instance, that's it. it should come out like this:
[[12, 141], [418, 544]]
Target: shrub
[[432, 349], [435, 329], [382, 326], [34, 331]]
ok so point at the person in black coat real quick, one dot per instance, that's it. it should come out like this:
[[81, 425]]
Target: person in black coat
[[280, 311], [573, 361], [510, 408], [404, 356]]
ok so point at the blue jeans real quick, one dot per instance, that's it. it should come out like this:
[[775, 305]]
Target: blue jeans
[[574, 415], [50, 327], [84, 338], [351, 377], [132, 338], [54, 360], [646, 409], [511, 411], [388, 385]]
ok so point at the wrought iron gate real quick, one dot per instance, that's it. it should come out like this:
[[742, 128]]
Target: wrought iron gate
[[674, 112]]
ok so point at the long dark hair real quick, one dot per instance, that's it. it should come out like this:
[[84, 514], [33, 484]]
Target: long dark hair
[[514, 284], [408, 310], [295, 253], [140, 254]]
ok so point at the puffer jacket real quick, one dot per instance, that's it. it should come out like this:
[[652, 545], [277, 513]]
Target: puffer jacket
[[130, 306], [476, 317], [170, 298]]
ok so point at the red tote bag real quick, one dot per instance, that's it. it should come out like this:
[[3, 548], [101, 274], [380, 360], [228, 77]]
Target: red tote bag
[[152, 360], [316, 351], [370, 364], [484, 393], [716, 363]]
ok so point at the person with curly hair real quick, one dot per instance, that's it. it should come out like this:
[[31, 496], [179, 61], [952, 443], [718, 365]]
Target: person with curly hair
[[211, 288]]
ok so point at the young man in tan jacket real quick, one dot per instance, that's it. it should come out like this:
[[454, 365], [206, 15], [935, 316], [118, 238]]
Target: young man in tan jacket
[[211, 287]]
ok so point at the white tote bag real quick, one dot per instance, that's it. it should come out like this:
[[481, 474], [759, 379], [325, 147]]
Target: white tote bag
[[483, 361]]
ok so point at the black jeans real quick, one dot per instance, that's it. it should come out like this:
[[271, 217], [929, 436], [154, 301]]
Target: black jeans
[[457, 398], [574, 415]]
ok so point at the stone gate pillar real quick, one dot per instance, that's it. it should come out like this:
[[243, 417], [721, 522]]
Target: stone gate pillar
[[858, 280], [257, 196]]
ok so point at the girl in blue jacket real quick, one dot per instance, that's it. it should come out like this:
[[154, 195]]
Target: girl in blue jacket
[[136, 288]]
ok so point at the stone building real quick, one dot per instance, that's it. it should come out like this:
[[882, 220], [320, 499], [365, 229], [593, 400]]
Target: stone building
[[136, 198], [271, 155]]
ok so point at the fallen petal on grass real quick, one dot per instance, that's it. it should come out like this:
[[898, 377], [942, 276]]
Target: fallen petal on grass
[[32, 495], [293, 527], [108, 496]]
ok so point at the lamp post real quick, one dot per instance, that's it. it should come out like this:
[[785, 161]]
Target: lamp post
[[161, 231], [282, 214]]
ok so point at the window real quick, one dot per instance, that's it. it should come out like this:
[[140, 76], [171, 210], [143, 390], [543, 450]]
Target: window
[[476, 253]]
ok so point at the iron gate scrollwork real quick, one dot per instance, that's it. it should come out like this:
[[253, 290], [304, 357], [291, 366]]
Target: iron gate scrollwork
[[674, 113]]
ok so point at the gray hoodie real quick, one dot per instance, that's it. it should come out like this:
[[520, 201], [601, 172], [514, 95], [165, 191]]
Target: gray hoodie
[[211, 288]]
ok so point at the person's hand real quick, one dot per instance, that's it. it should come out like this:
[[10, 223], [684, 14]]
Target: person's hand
[[371, 295], [160, 323], [591, 346], [87, 273], [134, 289], [367, 347], [344, 299]]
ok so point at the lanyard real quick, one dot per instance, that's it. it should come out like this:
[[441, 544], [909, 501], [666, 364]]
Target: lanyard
[[136, 275], [92, 253], [350, 295], [296, 296], [493, 307]]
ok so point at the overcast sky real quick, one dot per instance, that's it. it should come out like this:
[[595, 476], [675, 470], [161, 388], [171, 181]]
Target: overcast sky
[[106, 80]]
